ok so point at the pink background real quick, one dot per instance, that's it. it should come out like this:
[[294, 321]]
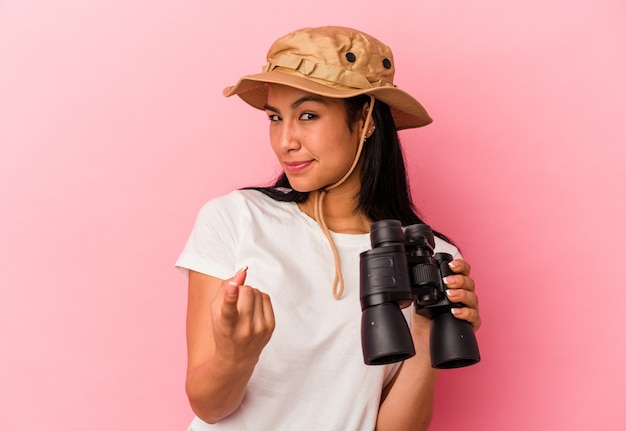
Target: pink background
[[113, 132]]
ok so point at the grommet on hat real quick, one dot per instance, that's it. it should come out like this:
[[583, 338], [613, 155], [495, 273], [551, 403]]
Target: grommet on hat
[[335, 62]]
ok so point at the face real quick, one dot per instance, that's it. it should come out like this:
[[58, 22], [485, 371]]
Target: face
[[311, 137]]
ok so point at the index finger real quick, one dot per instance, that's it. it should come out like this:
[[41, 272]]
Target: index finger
[[460, 266]]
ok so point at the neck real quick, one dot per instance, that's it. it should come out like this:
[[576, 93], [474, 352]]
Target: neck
[[340, 208]]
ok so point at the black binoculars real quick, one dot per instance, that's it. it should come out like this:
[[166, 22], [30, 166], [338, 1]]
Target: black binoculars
[[399, 269]]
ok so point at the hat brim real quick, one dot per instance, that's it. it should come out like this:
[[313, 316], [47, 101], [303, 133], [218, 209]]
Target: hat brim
[[407, 112]]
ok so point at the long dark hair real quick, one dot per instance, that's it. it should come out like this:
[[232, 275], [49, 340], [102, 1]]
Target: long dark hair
[[385, 191]]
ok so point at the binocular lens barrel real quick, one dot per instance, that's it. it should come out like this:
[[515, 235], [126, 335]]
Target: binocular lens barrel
[[452, 342], [385, 335]]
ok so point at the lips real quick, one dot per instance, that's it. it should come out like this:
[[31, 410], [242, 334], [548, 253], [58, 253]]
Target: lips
[[297, 166]]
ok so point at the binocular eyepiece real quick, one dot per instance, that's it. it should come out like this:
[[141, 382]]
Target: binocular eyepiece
[[401, 269]]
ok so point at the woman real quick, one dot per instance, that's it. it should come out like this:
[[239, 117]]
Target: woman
[[271, 346]]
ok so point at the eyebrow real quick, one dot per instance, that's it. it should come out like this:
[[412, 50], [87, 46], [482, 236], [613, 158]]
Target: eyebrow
[[300, 101]]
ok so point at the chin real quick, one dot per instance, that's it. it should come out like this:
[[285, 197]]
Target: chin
[[307, 185], [301, 186], [302, 189]]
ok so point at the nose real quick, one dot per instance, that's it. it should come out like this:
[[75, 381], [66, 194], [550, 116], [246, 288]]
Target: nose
[[285, 137]]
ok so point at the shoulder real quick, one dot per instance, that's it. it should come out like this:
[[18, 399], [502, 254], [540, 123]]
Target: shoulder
[[237, 199], [242, 204]]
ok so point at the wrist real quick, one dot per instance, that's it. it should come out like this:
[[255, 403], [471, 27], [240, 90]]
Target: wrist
[[233, 365]]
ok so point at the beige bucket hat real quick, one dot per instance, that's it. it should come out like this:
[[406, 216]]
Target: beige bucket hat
[[337, 62]]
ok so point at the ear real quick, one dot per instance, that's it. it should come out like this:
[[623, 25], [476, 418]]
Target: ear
[[370, 126]]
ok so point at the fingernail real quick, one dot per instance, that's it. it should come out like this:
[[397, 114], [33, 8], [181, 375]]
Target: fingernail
[[449, 279], [245, 268], [453, 264], [455, 310], [232, 289], [452, 292]]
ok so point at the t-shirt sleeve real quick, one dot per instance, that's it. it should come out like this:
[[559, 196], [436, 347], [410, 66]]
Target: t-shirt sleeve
[[212, 244]]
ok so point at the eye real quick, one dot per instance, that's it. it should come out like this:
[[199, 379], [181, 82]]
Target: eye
[[273, 117], [307, 116]]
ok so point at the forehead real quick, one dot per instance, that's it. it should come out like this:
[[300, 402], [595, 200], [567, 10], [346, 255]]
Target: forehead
[[278, 94]]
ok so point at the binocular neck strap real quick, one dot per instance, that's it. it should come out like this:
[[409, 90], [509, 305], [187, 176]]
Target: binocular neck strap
[[338, 284]]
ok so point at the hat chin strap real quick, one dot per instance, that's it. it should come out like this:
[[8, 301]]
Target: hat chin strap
[[338, 284]]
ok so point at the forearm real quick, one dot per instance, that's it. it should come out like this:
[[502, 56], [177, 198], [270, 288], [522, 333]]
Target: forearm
[[409, 403], [216, 390], [228, 325]]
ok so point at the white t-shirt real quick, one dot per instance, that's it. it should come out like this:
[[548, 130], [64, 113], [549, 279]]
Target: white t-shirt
[[311, 374]]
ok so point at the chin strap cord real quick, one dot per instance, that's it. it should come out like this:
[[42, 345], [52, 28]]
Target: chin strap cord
[[338, 284]]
